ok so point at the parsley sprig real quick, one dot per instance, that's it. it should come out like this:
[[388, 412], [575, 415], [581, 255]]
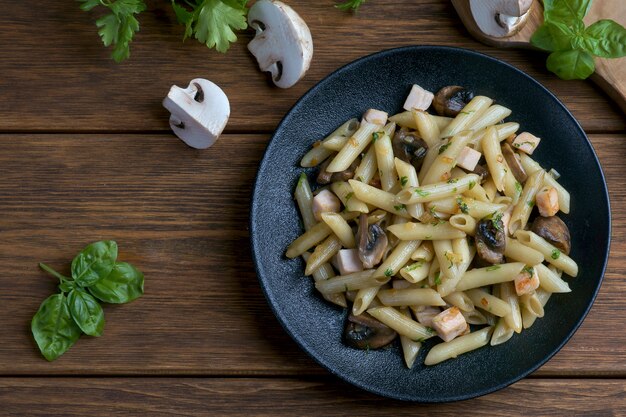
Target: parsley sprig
[[350, 5]]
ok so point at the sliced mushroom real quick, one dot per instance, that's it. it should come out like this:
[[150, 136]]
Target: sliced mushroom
[[324, 177], [482, 171], [365, 332], [516, 167], [450, 100], [372, 242], [408, 147], [500, 18], [554, 231], [282, 45], [490, 241], [199, 113]]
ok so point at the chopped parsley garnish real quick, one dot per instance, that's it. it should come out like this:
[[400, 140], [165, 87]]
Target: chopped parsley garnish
[[430, 330], [493, 268], [555, 254], [400, 207], [414, 266], [518, 187], [359, 178], [443, 148], [453, 181], [349, 196], [530, 203], [388, 272], [472, 184], [529, 270], [467, 112], [496, 219], [404, 180], [454, 190], [421, 193], [438, 278], [302, 179], [462, 205], [427, 237], [375, 136]]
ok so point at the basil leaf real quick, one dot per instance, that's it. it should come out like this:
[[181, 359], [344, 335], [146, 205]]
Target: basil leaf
[[124, 284], [86, 312], [571, 65], [552, 37], [67, 286], [94, 262], [605, 38], [53, 328], [569, 12]]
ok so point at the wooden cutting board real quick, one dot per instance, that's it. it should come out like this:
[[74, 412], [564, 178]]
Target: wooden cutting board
[[610, 74]]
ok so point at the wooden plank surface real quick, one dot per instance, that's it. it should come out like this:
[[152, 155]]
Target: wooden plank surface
[[56, 76], [280, 397], [181, 215]]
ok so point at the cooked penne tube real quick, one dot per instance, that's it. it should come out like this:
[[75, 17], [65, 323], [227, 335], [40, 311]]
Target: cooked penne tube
[[408, 178], [415, 272], [564, 197], [495, 274], [350, 282], [421, 231], [368, 168], [476, 209], [379, 198], [474, 317], [490, 189], [501, 333], [512, 187], [410, 297], [504, 130], [519, 252], [324, 272], [353, 148], [549, 252], [437, 191], [363, 299], [523, 208], [390, 129], [304, 198], [463, 344], [550, 281], [531, 302], [335, 143], [397, 258], [434, 274], [410, 349], [322, 253], [320, 151], [446, 258], [461, 300], [461, 248], [425, 252], [471, 112], [427, 127], [343, 190], [384, 160], [440, 169], [508, 295], [315, 156], [340, 228], [490, 303], [406, 119], [477, 192], [401, 324], [312, 237], [463, 222], [529, 164], [491, 116], [528, 318], [495, 160]]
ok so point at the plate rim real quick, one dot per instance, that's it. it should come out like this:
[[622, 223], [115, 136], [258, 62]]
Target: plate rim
[[253, 229]]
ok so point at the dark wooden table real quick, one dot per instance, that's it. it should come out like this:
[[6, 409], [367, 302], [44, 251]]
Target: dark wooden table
[[87, 155]]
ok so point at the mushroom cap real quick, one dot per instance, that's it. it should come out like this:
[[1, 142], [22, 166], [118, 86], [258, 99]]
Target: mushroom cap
[[283, 44], [365, 332], [554, 230], [199, 113], [450, 100], [490, 241], [500, 18]]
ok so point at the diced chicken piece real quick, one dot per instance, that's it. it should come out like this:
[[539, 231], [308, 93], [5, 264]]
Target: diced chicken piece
[[526, 281], [325, 202], [425, 314], [468, 158], [547, 201], [378, 117], [418, 98], [449, 324], [347, 261], [525, 142]]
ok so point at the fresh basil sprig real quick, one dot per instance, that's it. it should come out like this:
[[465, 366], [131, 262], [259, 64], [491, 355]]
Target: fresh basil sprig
[[572, 45], [96, 275]]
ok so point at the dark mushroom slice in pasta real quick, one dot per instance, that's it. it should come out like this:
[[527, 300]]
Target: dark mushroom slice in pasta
[[490, 241], [324, 177], [372, 242], [450, 100], [365, 332], [408, 147], [554, 230], [516, 167]]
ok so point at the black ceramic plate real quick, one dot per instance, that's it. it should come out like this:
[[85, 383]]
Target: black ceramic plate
[[382, 81]]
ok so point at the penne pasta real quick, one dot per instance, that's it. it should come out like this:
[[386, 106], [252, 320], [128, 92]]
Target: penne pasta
[[408, 178], [508, 295], [463, 344], [488, 302], [493, 115], [522, 210], [385, 162], [495, 160], [495, 274], [378, 198], [437, 191], [464, 222], [445, 161], [344, 192], [340, 228], [406, 119], [421, 231], [363, 299], [427, 127], [410, 349], [322, 253], [304, 198], [323, 273], [501, 333], [368, 168], [550, 253], [519, 252], [528, 318], [401, 324], [350, 282], [353, 147], [550, 281], [460, 300], [410, 297], [471, 112]]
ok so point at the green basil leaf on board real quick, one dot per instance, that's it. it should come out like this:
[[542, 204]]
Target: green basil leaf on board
[[571, 65], [94, 262], [53, 327], [86, 312], [606, 39], [67, 286], [551, 37], [566, 11], [124, 284]]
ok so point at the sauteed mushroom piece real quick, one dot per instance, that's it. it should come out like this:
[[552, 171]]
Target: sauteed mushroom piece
[[372, 242], [554, 230], [324, 177], [490, 241], [516, 167], [408, 147], [365, 332], [450, 100]]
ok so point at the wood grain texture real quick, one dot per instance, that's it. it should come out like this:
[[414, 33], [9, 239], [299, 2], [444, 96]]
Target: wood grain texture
[[281, 397], [56, 75], [181, 215]]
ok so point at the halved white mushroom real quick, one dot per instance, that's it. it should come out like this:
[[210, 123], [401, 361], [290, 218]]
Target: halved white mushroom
[[500, 18], [199, 113], [282, 45]]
